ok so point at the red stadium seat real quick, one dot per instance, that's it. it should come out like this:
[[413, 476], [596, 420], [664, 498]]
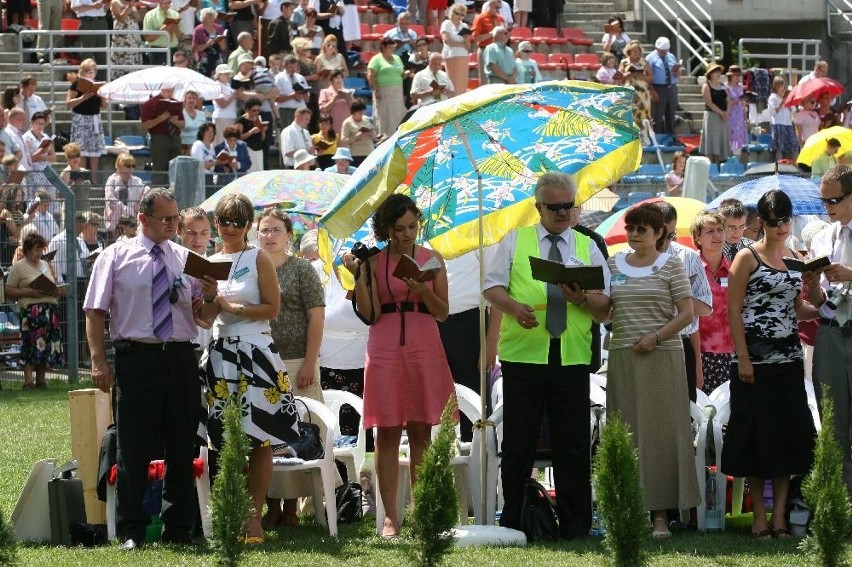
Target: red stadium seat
[[520, 34], [576, 36], [590, 61], [549, 36], [473, 61]]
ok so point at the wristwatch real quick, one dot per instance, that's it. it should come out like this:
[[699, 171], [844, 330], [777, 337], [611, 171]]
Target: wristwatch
[[210, 300], [240, 310]]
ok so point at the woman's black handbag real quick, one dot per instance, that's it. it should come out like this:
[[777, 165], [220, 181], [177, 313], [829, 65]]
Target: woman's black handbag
[[309, 446]]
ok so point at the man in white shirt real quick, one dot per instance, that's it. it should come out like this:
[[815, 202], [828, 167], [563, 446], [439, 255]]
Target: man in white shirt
[[829, 290], [296, 137], [820, 71], [289, 99], [12, 135], [432, 84], [505, 12], [92, 16], [58, 244], [30, 102]]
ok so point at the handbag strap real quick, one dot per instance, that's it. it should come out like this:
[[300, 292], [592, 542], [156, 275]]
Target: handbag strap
[[307, 410]]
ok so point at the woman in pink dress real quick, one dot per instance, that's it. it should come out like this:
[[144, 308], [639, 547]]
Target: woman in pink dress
[[737, 131], [407, 380]]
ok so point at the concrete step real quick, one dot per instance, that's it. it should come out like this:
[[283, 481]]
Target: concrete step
[[590, 7]]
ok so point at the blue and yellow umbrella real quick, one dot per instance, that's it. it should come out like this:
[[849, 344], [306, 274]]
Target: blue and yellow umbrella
[[507, 134]]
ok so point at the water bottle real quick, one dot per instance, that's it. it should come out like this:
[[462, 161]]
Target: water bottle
[[713, 514]]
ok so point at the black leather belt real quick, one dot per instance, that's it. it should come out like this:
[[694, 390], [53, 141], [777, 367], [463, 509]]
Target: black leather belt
[[130, 346], [405, 306], [834, 323]]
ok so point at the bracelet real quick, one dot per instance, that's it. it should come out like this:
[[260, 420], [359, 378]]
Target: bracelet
[[659, 338], [582, 303]]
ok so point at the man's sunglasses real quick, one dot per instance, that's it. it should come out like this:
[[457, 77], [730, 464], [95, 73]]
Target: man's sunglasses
[[833, 201], [231, 222], [173, 294], [775, 223], [556, 207]]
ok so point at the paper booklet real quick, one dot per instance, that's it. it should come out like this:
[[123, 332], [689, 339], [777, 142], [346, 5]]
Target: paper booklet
[[15, 177], [46, 142], [806, 265], [407, 267], [224, 157], [587, 277], [198, 266]]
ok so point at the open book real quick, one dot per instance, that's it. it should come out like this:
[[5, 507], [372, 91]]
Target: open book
[[198, 266], [173, 107], [238, 84], [15, 177], [587, 277], [321, 145], [224, 157], [225, 17], [436, 85], [84, 85], [170, 21], [45, 285], [46, 142], [49, 256], [407, 267], [465, 31], [806, 265]]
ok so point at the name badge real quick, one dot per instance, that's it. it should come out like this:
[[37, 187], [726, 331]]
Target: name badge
[[723, 282], [618, 279], [241, 272]]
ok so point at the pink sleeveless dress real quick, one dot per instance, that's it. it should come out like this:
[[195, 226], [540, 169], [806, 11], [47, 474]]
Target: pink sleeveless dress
[[410, 381]]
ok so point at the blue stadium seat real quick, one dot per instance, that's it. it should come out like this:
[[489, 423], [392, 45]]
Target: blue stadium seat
[[714, 170], [359, 85], [131, 140], [732, 167], [651, 169], [638, 197]]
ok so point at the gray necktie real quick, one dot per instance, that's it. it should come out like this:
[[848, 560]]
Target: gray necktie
[[844, 303], [556, 302]]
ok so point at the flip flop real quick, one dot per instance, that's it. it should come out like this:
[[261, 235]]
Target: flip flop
[[781, 533], [763, 535]]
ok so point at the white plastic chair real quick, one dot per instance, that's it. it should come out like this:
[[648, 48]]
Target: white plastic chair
[[723, 414], [699, 427], [721, 395], [353, 457], [702, 399], [202, 488], [321, 471]]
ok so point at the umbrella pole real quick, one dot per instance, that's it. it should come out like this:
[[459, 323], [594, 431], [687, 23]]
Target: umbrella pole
[[484, 423]]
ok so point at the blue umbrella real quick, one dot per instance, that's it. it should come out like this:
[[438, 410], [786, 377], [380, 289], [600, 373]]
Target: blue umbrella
[[802, 191]]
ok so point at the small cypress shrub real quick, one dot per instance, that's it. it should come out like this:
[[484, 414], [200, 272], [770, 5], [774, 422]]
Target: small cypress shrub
[[230, 500], [620, 501], [8, 549], [825, 493], [436, 509]]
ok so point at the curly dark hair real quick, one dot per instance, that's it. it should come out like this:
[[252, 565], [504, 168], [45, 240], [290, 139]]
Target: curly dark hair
[[34, 240], [388, 212]]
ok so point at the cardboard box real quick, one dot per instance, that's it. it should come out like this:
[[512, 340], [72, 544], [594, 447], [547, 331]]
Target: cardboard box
[[91, 414]]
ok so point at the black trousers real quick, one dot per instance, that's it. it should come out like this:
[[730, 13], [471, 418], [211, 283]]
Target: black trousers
[[529, 390], [460, 336], [689, 360], [157, 396]]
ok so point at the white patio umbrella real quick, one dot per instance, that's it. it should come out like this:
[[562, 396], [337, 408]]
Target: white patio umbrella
[[139, 86]]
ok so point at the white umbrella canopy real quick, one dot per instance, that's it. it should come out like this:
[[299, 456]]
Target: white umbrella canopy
[[139, 86]]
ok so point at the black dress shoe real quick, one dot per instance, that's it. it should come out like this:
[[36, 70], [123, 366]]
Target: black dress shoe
[[130, 544]]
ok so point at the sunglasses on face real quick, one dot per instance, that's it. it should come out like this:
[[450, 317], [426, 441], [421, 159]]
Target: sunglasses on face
[[556, 207], [775, 223], [231, 222], [833, 201], [638, 229]]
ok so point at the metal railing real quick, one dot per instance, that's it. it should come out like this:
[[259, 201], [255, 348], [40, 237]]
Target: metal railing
[[832, 9], [691, 26], [798, 56], [28, 50]]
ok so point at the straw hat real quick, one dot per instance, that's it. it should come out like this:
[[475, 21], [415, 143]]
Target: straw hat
[[713, 67]]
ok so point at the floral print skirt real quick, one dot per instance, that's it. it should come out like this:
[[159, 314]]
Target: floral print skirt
[[41, 341], [247, 369]]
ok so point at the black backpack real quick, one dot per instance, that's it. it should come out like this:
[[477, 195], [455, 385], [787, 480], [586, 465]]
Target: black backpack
[[349, 503], [538, 513]]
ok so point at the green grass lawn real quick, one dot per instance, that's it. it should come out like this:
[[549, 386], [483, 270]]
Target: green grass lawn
[[35, 425]]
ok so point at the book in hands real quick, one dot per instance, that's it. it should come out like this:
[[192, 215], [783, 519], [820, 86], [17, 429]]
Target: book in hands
[[324, 73], [365, 129], [321, 145], [587, 277], [407, 267], [237, 84], [15, 177], [224, 157], [465, 31], [436, 85], [798, 265], [85, 86], [173, 107], [44, 284], [90, 259], [225, 16], [49, 256], [46, 142], [198, 266], [170, 21]]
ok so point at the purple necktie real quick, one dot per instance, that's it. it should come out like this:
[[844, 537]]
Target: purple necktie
[[160, 296]]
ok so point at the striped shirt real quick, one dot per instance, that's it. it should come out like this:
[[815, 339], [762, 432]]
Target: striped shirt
[[694, 269], [643, 299]]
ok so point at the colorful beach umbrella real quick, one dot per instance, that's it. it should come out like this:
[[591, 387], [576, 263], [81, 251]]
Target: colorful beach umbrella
[[815, 144], [612, 229], [307, 192], [803, 192], [813, 89], [506, 134]]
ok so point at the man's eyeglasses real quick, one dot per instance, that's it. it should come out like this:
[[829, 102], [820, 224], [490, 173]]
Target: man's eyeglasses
[[556, 207], [231, 222], [735, 228], [176, 285], [166, 220], [834, 201], [775, 223]]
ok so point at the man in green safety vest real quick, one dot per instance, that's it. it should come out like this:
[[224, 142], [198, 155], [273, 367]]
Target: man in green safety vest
[[545, 351]]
